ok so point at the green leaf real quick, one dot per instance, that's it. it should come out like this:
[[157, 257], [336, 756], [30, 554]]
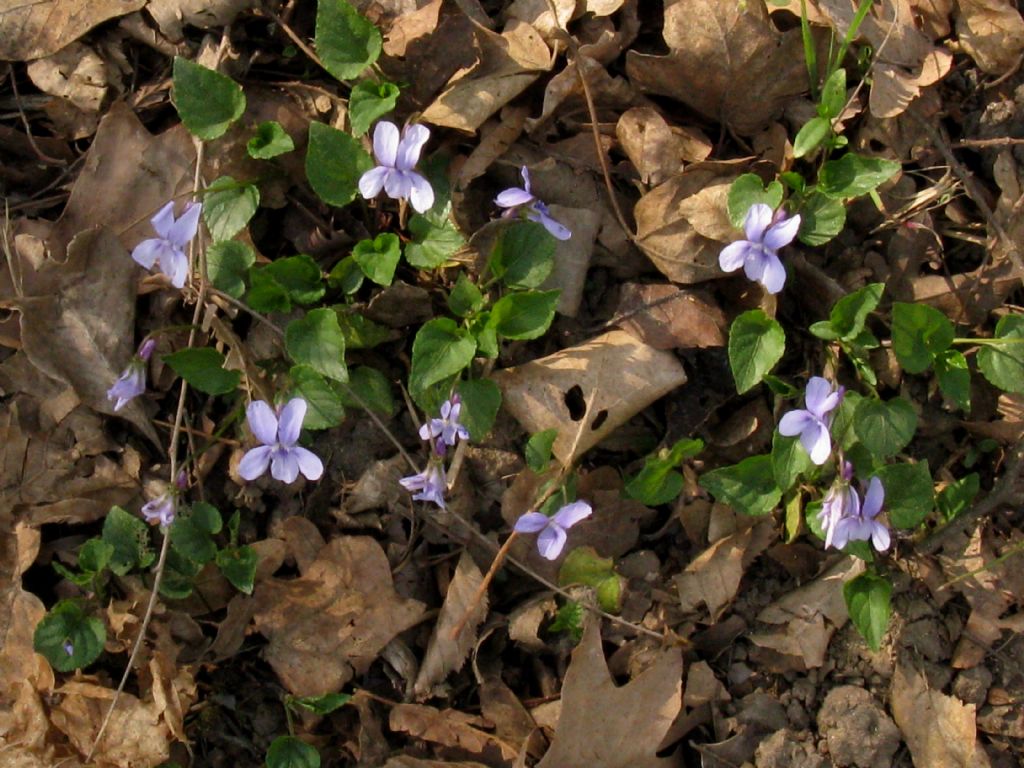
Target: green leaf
[[238, 564], [334, 163], [207, 101], [919, 333], [748, 190], [523, 256], [432, 245], [372, 387], [192, 532], [525, 315], [867, 601], [885, 428], [811, 135], [346, 41], [789, 460], [833, 94], [361, 332], [956, 498], [179, 574], [228, 205], [756, 344], [325, 407], [481, 400], [64, 623], [749, 487], [851, 312], [465, 298], [293, 279], [379, 257], [583, 566], [368, 101], [854, 175], [1003, 365], [270, 140], [95, 555], [129, 538], [538, 449], [821, 219], [321, 705], [954, 377], [227, 264], [203, 368], [658, 482], [569, 619], [440, 349], [909, 494], [485, 334], [288, 751], [315, 340], [346, 276]]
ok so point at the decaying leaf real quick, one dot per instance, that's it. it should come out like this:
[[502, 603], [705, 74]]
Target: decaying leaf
[[650, 144], [605, 381], [30, 30], [667, 317], [452, 729], [334, 620], [992, 32], [172, 15], [939, 729], [640, 712]]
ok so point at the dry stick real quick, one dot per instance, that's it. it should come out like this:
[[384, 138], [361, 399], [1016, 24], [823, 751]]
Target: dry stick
[[179, 417]]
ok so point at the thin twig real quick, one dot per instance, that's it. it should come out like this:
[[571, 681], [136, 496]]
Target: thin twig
[[43, 157]]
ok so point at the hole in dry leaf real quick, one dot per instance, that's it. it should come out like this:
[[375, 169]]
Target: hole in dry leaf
[[575, 402], [599, 419]]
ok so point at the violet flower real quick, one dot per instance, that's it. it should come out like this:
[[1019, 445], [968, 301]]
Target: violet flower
[[430, 483], [766, 234], [279, 450], [169, 248], [553, 529], [447, 427], [160, 509], [396, 159], [841, 500], [813, 423], [859, 523], [132, 381], [514, 198], [69, 648]]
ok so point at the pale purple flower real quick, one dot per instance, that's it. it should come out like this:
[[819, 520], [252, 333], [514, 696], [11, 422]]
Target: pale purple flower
[[169, 248], [766, 234], [515, 198], [859, 523], [430, 483], [132, 381], [396, 159], [69, 648], [840, 501], [553, 529], [813, 423], [160, 509], [447, 428], [279, 450]]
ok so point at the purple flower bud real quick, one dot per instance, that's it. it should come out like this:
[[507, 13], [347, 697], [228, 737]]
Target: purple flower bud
[[146, 349], [758, 254], [516, 198], [396, 159], [814, 422], [279, 450], [430, 483], [69, 648], [553, 529], [168, 249], [129, 385]]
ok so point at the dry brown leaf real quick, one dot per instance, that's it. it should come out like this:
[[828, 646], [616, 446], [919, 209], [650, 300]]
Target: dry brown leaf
[[538, 14], [939, 729], [683, 224], [31, 29], [411, 26], [614, 373], [667, 317], [650, 144], [602, 7], [446, 654], [992, 32], [572, 256], [172, 15], [727, 61], [405, 761], [79, 78], [334, 620], [641, 711], [452, 729]]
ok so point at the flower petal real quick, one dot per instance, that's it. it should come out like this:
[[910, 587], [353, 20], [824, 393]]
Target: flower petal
[[818, 389], [398, 185], [372, 182], [422, 194], [163, 220], [285, 465], [147, 252], [756, 222], [733, 255], [773, 275], [413, 482], [571, 514], [755, 263], [255, 462], [879, 536], [513, 197], [309, 463], [817, 441], [550, 542], [873, 499], [531, 522], [184, 229], [782, 233], [558, 231], [262, 421], [413, 139], [174, 264], [290, 424], [385, 143], [525, 173], [431, 429], [795, 422]]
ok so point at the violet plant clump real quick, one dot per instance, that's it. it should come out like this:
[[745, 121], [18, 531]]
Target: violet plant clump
[[553, 530], [396, 160], [766, 232], [814, 422], [168, 248], [514, 199], [132, 381], [279, 435]]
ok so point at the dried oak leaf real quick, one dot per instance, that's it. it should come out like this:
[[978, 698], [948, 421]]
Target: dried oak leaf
[[992, 32], [30, 30], [634, 718], [667, 317], [453, 729], [332, 622], [727, 61]]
